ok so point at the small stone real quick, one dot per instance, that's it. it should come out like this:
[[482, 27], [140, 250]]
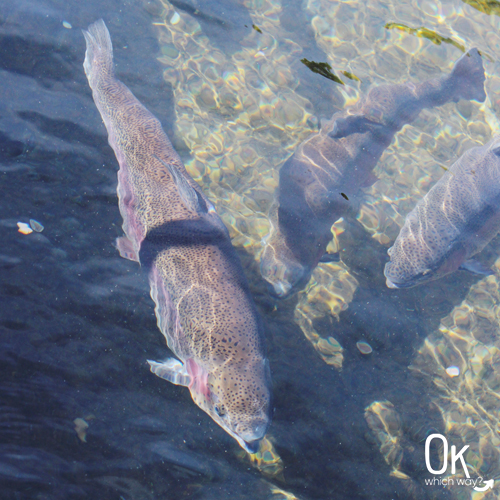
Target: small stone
[[67, 25], [36, 226], [364, 348], [453, 371], [81, 427], [24, 228]]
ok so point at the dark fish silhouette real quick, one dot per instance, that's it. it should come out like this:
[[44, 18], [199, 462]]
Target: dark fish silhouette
[[203, 304], [323, 176], [454, 221]]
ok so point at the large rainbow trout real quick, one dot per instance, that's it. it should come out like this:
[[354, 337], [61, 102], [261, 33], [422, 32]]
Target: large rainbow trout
[[330, 168], [453, 222], [203, 304]]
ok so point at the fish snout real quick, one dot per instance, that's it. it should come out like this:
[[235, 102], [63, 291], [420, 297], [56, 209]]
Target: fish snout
[[252, 434]]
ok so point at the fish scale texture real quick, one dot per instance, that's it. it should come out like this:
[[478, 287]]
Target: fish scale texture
[[203, 305], [455, 220]]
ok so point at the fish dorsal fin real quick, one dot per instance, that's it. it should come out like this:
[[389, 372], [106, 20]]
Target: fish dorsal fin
[[188, 194], [172, 370]]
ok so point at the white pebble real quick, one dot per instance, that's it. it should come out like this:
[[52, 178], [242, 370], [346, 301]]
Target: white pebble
[[364, 348], [175, 18], [453, 371], [36, 226], [67, 25], [24, 228]]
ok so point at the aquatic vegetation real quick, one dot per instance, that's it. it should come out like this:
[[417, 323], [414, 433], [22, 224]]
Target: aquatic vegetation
[[350, 75], [425, 33], [323, 69], [485, 6]]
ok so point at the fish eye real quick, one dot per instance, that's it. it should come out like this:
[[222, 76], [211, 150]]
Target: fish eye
[[220, 410]]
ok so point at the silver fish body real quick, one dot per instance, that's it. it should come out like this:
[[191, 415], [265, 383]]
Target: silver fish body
[[454, 221], [203, 304], [320, 182]]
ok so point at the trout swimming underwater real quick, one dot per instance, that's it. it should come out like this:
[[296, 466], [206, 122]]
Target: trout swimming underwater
[[329, 169], [454, 221], [203, 303]]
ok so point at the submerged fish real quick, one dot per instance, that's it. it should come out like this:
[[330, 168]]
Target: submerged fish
[[203, 304], [322, 178], [454, 221]]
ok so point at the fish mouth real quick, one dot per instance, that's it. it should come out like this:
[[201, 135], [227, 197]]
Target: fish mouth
[[249, 446], [252, 446], [398, 286], [390, 284]]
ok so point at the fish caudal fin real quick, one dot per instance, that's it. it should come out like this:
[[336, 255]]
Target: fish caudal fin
[[99, 53], [172, 370], [468, 77]]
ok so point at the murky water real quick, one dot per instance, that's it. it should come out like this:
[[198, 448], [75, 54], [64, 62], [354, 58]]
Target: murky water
[[77, 323]]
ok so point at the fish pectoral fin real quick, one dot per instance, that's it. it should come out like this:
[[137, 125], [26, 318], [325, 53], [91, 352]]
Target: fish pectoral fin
[[476, 267], [188, 194], [172, 370], [352, 124], [126, 249], [330, 257]]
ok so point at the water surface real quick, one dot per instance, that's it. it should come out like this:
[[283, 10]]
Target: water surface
[[76, 321]]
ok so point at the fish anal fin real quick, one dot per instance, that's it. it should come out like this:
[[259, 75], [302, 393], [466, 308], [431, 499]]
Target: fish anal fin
[[172, 370], [126, 249], [476, 267]]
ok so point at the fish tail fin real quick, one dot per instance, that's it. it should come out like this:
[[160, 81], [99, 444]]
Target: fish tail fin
[[99, 54], [468, 76]]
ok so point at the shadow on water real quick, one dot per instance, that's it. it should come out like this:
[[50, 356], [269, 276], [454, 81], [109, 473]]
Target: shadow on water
[[225, 22]]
